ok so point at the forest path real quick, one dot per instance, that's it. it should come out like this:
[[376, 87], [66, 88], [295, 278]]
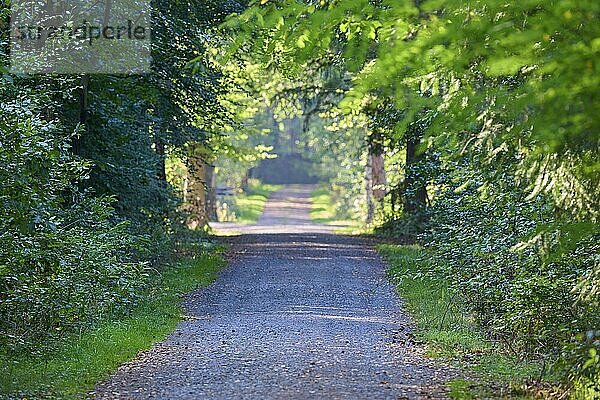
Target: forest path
[[287, 211], [299, 314]]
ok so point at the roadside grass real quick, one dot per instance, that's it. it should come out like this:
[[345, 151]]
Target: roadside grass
[[74, 365], [450, 332], [248, 207], [323, 211]]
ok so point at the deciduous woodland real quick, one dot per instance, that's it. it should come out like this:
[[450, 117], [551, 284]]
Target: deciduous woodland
[[468, 128]]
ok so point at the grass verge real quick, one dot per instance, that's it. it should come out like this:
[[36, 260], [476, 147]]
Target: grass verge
[[76, 364], [449, 331], [249, 206], [323, 211]]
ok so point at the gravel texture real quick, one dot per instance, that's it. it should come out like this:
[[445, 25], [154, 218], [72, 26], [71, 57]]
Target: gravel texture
[[299, 314]]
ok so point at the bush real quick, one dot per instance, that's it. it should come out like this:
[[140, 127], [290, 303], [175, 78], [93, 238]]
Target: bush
[[65, 259], [520, 268]]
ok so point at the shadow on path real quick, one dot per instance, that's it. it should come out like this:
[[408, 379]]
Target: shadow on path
[[302, 314]]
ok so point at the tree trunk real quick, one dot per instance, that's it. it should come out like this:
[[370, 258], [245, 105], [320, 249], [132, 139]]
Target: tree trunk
[[196, 190], [379, 181], [293, 135], [159, 145], [369, 190], [415, 191], [83, 114], [376, 180], [245, 179], [211, 193]]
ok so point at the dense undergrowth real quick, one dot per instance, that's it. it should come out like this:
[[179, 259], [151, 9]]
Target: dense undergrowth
[[65, 258], [88, 219], [90, 226], [445, 322], [70, 366], [520, 271]]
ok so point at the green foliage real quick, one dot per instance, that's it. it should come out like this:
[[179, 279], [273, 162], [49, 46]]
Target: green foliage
[[448, 326], [442, 320], [495, 74], [88, 217], [518, 267], [325, 209], [460, 389], [72, 367], [65, 262], [505, 97]]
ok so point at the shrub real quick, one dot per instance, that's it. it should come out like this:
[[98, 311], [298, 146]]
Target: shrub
[[65, 259], [520, 268]]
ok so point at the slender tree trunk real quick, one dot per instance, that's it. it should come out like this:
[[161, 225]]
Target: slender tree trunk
[[415, 192], [369, 190], [159, 146], [376, 179], [245, 179], [292, 128], [83, 114]]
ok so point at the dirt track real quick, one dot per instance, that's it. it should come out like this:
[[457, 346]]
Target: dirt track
[[299, 314]]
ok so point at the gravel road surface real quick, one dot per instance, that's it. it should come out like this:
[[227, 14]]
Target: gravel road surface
[[299, 313]]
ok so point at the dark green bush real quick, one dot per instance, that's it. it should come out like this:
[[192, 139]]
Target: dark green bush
[[65, 260]]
